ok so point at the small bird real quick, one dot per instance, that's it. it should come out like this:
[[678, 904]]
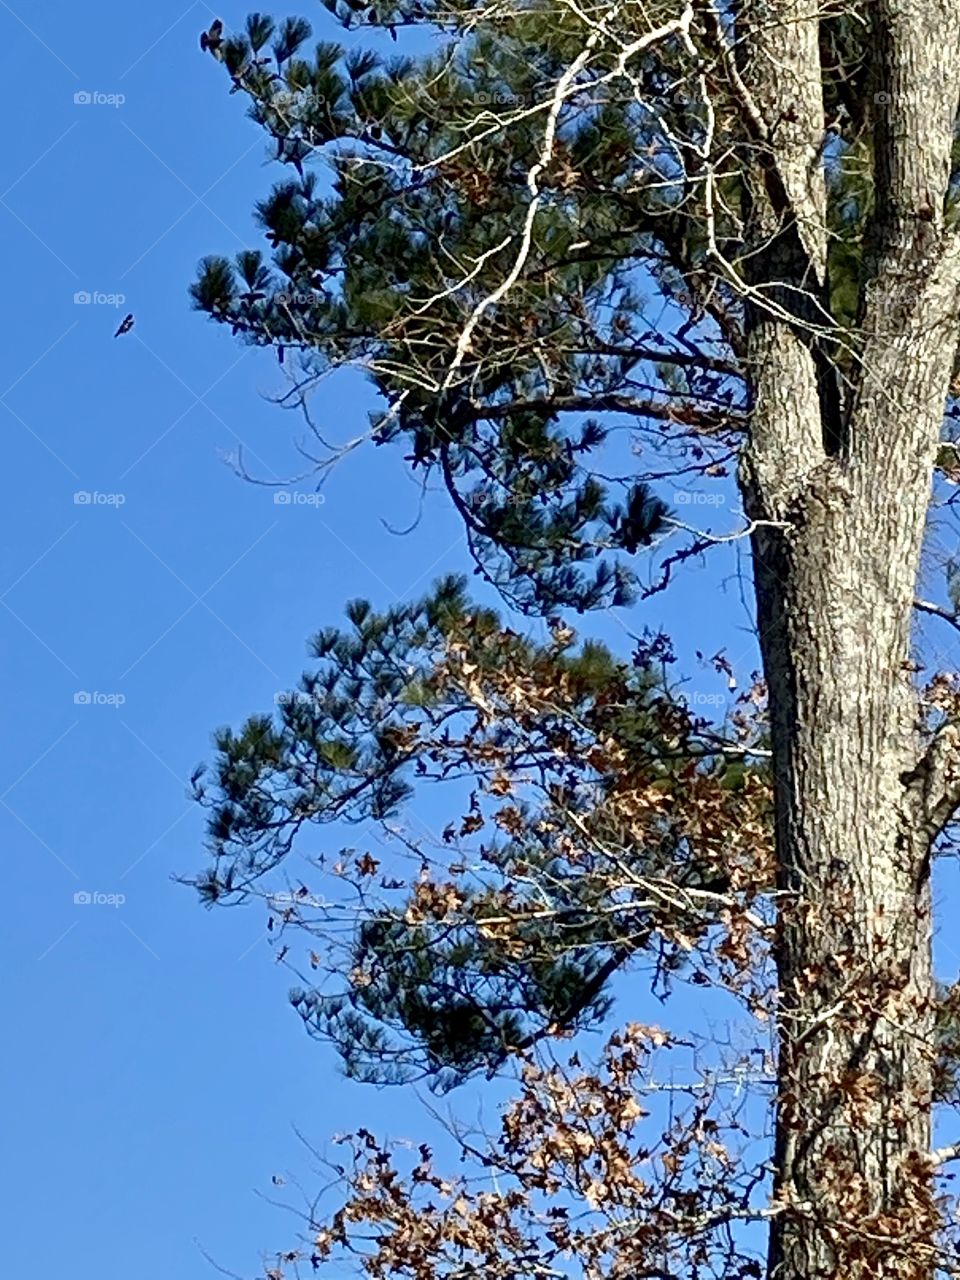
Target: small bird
[[126, 324], [210, 41]]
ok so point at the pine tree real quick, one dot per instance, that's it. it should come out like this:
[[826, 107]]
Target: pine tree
[[780, 177], [594, 828]]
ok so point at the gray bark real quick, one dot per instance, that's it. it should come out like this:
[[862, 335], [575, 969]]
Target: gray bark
[[844, 480]]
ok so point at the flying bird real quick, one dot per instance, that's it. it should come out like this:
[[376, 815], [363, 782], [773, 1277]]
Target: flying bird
[[126, 324], [212, 40]]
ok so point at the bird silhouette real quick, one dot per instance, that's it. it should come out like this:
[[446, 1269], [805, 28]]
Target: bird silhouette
[[126, 324], [211, 40]]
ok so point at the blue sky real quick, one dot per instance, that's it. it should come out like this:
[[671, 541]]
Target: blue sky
[[153, 1070]]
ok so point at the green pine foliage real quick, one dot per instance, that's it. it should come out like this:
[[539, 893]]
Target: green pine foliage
[[430, 982], [410, 185], [426, 171]]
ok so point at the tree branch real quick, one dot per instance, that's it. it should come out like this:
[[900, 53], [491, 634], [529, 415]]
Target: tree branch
[[937, 611], [687, 415], [935, 782], [944, 1155]]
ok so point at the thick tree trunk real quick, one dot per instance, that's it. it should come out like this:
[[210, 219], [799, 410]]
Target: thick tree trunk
[[854, 946], [842, 478]]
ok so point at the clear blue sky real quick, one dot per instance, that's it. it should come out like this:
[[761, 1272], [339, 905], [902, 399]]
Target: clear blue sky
[[153, 1069]]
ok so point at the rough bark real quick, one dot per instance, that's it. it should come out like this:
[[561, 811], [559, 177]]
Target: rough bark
[[844, 480]]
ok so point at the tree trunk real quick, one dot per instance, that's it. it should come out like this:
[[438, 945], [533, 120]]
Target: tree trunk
[[841, 474]]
